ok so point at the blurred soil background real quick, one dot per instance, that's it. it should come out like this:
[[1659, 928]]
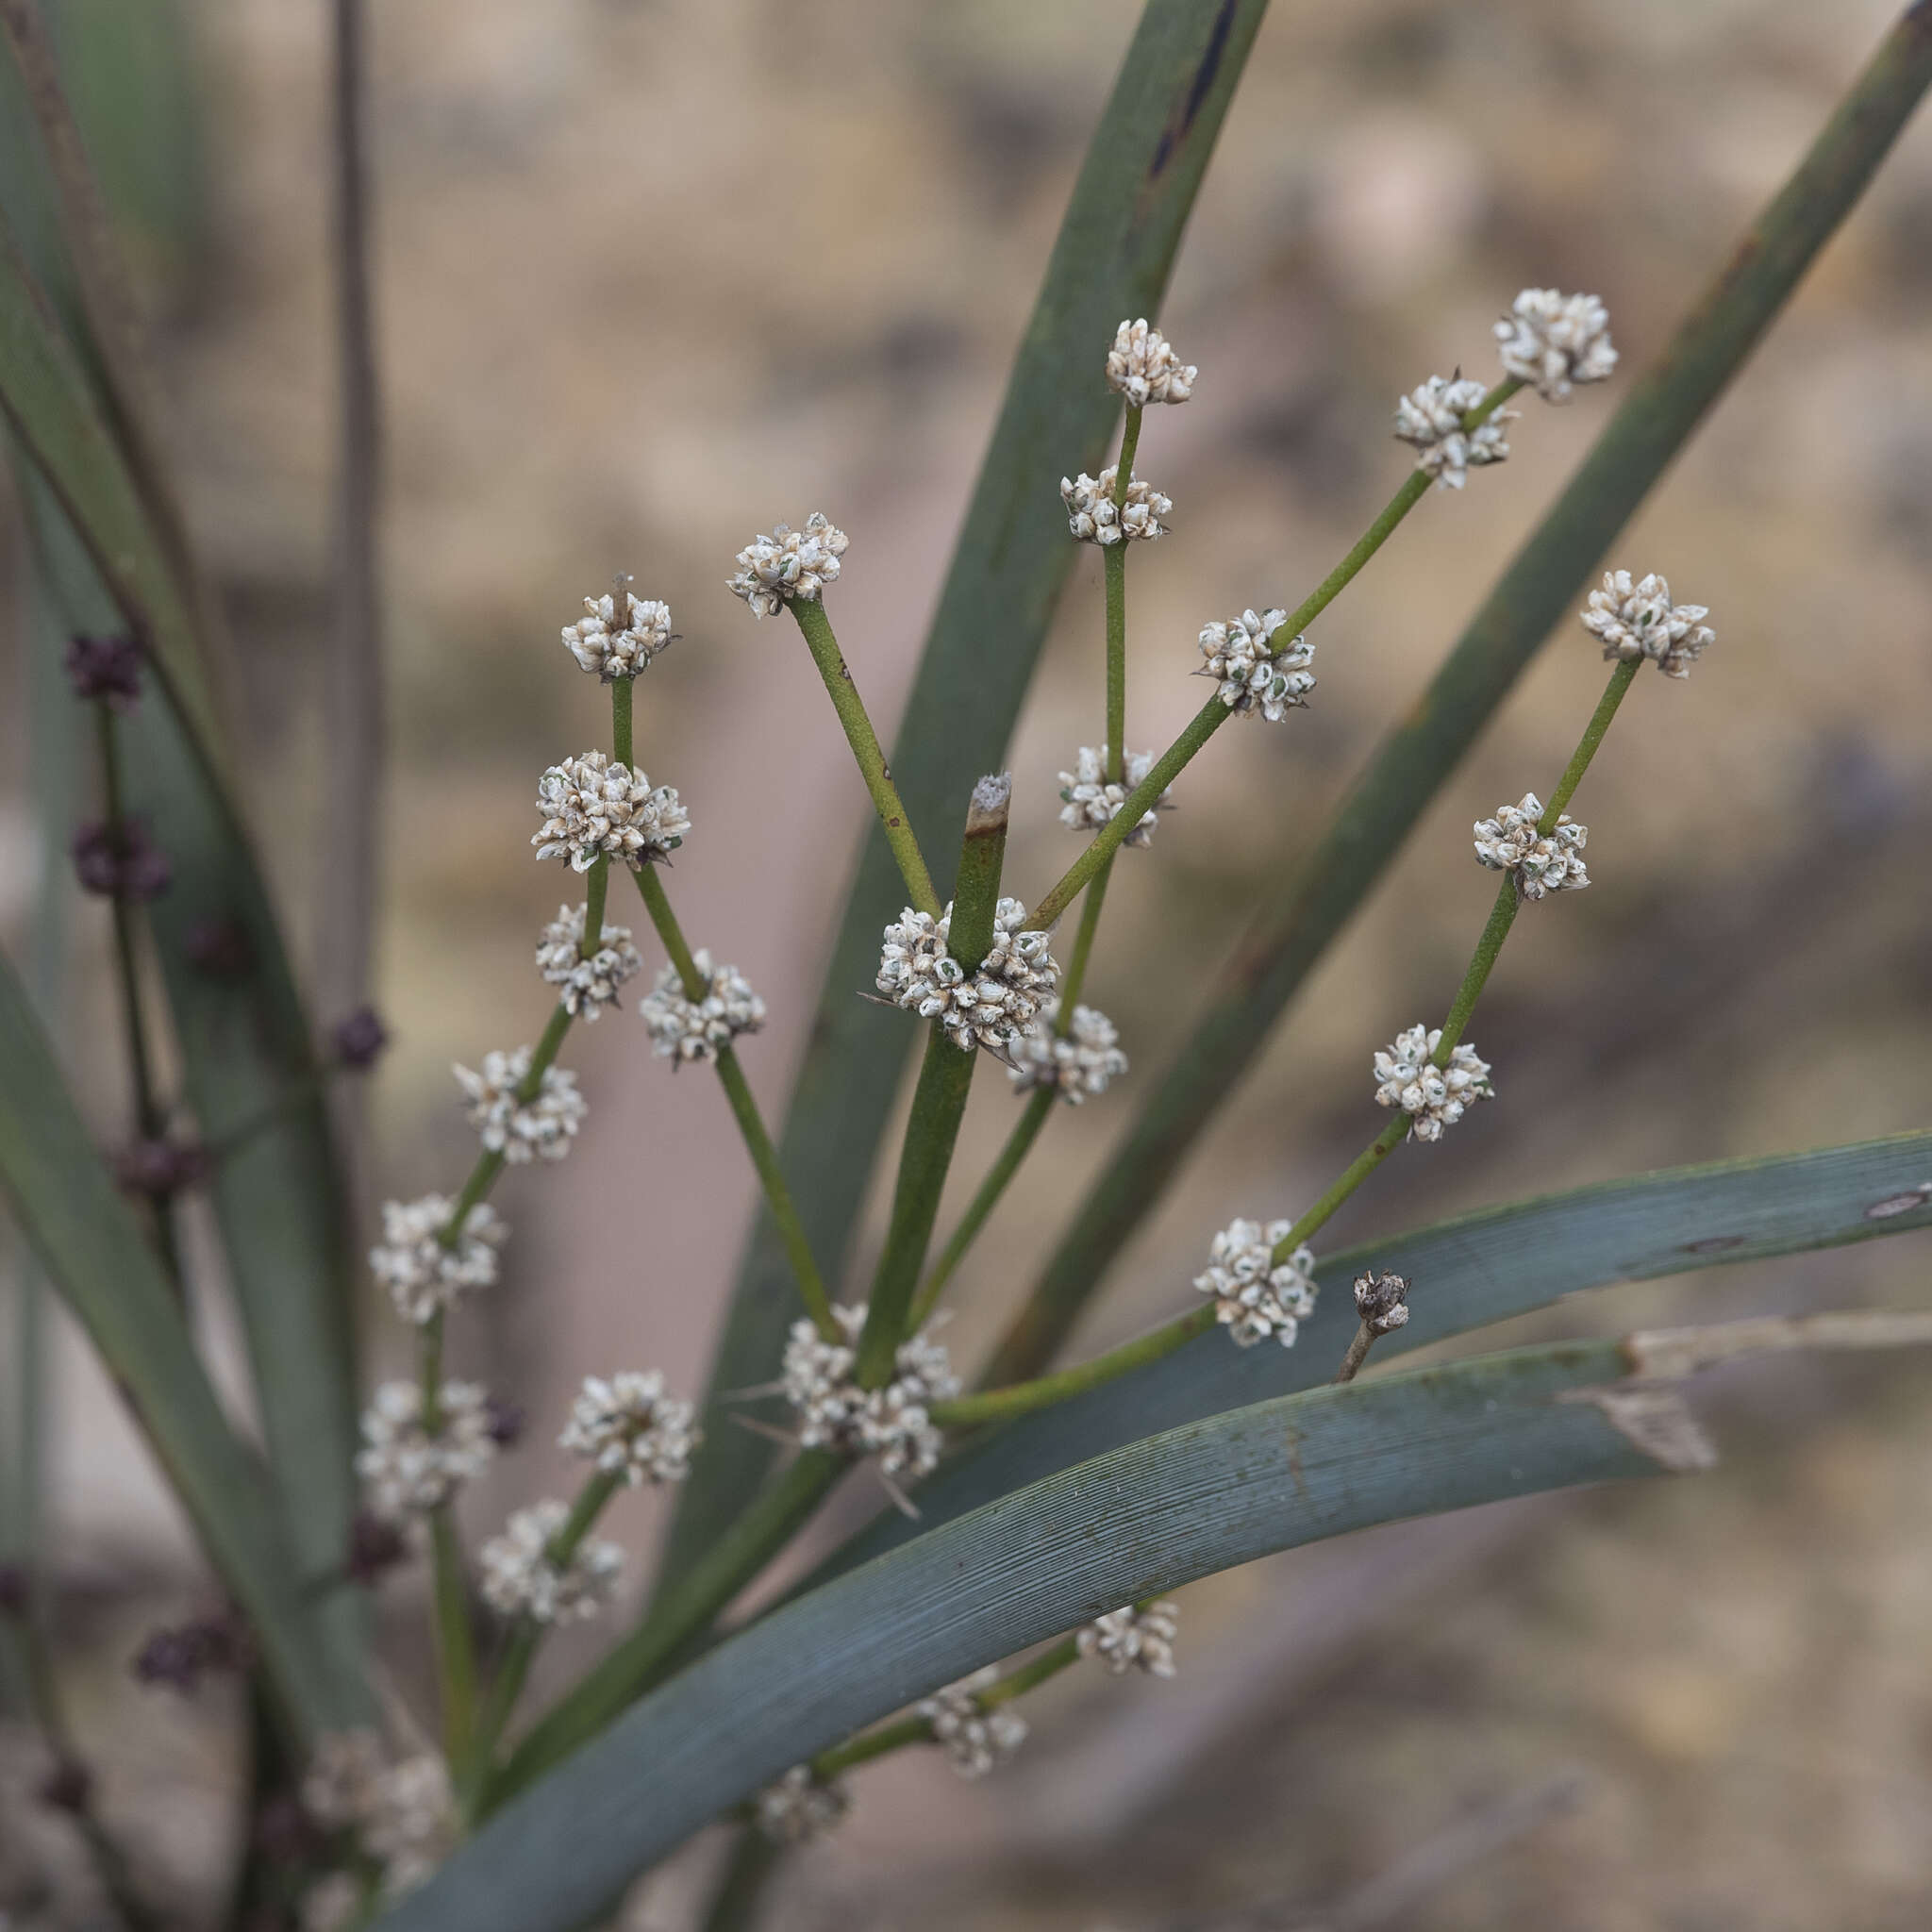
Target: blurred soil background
[[655, 274]]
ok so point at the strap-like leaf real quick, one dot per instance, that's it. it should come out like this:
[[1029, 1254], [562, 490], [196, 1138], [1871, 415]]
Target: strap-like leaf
[[1116, 247], [1138, 1521], [86, 1239], [1464, 1274], [1315, 899]]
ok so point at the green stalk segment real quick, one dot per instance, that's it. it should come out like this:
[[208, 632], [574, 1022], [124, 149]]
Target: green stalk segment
[[1022, 1398], [938, 1104], [620, 721], [864, 741]]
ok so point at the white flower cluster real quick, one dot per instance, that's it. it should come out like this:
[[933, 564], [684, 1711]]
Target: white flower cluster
[[1092, 801], [1255, 1295], [519, 1578], [401, 1814], [586, 987], [1553, 341], [1510, 842], [1253, 675], [626, 1426], [1142, 366], [1081, 1065], [686, 1029], [515, 1127], [1094, 516], [1133, 1640], [788, 563], [1638, 620], [1430, 419], [406, 1471], [594, 810], [599, 643], [991, 1006], [800, 1807], [419, 1272], [833, 1412], [974, 1740], [1433, 1097]]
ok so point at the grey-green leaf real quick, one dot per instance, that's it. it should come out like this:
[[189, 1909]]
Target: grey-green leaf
[[1116, 247], [1465, 1273], [1140, 1520], [86, 1238]]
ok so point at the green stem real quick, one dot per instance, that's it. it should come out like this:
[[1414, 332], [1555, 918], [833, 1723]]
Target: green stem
[[1379, 1150], [525, 1640], [1482, 962], [1019, 1143], [1073, 980], [1123, 464], [747, 1547], [938, 1104], [1049, 1663], [736, 1903], [1175, 759], [456, 1656], [870, 1745], [1115, 562], [1022, 1398], [1587, 745], [620, 721], [596, 886], [744, 1109], [1108, 839], [864, 741]]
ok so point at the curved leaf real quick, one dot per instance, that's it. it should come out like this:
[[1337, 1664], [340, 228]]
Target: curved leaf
[[1465, 1273], [1117, 243], [1138, 1521], [93, 1250], [1315, 899]]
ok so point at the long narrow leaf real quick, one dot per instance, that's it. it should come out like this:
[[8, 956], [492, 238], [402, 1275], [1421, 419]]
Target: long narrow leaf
[[1465, 1273], [1116, 247], [246, 1058], [1316, 898], [86, 1239], [1141, 1520]]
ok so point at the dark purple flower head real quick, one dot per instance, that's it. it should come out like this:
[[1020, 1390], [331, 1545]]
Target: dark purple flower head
[[121, 861], [504, 1421], [105, 668], [220, 948], [69, 1787], [161, 1168], [182, 1656], [16, 1590], [374, 1546], [360, 1038]]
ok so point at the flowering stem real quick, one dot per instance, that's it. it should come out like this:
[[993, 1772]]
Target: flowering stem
[[620, 721], [1021, 1398], [1352, 1176], [1587, 745], [1115, 560], [1175, 759], [595, 887], [1112, 835], [745, 1547], [490, 1163], [456, 1656], [744, 1109], [870, 1745], [522, 1648], [864, 741], [1075, 978], [1049, 1663], [1019, 1143], [1358, 1354]]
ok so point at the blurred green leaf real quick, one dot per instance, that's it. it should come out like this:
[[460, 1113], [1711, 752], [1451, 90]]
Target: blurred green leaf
[[1464, 1274], [1315, 899], [1116, 247], [1138, 1521], [246, 1058], [87, 1239]]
